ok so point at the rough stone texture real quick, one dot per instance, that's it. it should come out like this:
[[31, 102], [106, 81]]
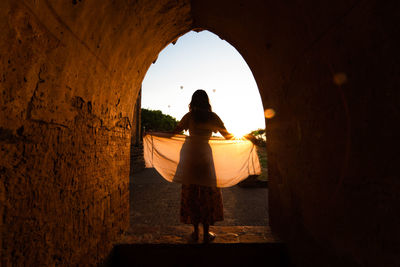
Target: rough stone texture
[[137, 154], [144, 234], [137, 158], [156, 202], [70, 72], [61, 196], [173, 246]]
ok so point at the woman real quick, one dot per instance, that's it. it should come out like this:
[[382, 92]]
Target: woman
[[200, 203]]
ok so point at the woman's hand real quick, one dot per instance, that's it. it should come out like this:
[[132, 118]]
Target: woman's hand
[[225, 134]]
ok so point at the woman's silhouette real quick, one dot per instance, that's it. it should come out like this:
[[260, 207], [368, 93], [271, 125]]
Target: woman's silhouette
[[200, 202]]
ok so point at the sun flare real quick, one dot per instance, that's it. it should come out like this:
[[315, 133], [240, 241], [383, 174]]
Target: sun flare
[[238, 135]]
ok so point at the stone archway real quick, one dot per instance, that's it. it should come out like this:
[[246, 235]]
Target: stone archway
[[155, 202], [71, 71]]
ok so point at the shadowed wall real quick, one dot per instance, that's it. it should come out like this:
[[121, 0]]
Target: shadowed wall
[[71, 72], [334, 187]]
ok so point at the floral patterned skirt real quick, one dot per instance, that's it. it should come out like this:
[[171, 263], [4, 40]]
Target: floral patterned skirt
[[201, 204]]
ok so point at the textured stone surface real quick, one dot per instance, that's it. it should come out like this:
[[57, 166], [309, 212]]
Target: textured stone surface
[[143, 234], [63, 193], [172, 246], [70, 72], [156, 202]]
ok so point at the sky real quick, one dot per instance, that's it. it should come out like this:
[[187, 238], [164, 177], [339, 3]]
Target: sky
[[204, 61]]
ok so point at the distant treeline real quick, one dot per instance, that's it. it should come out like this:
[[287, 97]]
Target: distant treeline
[[156, 121], [260, 136]]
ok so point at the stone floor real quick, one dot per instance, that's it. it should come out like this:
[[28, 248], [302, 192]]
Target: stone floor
[[181, 234], [155, 214], [172, 246], [157, 238], [155, 202]]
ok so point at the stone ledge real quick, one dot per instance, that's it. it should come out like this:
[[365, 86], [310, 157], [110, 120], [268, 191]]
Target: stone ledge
[[143, 234], [172, 246]]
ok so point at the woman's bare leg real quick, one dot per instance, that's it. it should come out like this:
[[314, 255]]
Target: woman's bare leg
[[207, 235]]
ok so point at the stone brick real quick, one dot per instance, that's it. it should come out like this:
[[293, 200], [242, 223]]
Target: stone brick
[[70, 74]]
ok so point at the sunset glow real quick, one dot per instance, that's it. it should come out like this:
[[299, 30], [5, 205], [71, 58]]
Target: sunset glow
[[204, 61], [238, 137]]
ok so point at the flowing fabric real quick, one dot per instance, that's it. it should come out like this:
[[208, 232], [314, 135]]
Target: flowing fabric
[[213, 162]]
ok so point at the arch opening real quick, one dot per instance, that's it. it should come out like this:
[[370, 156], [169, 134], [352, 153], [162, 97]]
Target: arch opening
[[70, 72], [202, 61]]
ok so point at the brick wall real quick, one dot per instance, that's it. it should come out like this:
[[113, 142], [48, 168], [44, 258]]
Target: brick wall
[[137, 158], [70, 73], [65, 193]]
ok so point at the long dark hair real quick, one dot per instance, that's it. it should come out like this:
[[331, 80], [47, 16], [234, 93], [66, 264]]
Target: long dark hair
[[200, 106]]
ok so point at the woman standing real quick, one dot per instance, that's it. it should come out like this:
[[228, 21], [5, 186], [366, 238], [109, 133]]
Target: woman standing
[[201, 201]]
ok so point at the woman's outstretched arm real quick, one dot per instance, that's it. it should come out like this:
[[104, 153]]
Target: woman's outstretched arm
[[225, 133], [178, 129]]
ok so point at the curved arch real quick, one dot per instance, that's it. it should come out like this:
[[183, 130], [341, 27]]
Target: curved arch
[[245, 112], [62, 109]]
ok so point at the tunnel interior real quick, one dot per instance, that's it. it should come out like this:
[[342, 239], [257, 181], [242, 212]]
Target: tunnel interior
[[198, 60], [70, 75]]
